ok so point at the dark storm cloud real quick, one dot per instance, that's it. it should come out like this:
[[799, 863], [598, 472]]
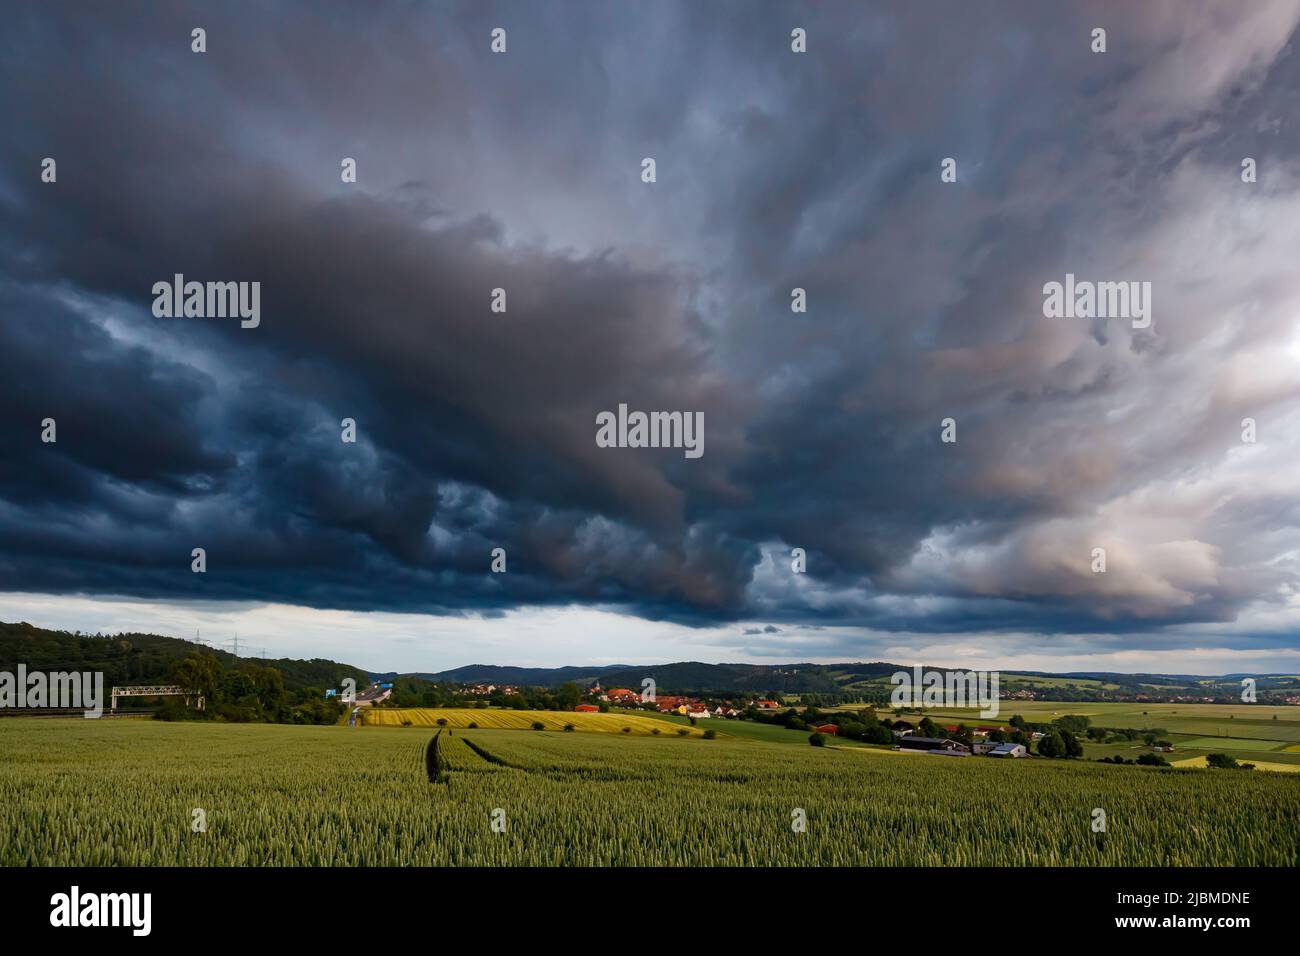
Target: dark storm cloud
[[522, 172]]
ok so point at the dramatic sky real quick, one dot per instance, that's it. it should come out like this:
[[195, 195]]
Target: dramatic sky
[[775, 170]]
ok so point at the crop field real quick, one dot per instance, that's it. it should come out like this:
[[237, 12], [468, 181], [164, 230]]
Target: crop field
[[489, 719], [1204, 719], [1279, 724], [1242, 758], [747, 729], [124, 792], [1227, 744], [1194, 729]]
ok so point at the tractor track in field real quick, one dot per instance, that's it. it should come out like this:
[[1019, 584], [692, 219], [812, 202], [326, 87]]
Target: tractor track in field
[[433, 762], [491, 757]]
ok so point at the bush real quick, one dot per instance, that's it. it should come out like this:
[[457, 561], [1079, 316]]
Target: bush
[[682, 731], [442, 721], [568, 728], [176, 710], [538, 725], [627, 730], [710, 734], [656, 731], [406, 723], [1152, 760], [473, 726], [1221, 761], [817, 740]]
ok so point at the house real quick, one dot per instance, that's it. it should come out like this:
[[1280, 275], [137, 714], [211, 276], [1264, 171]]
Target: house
[[982, 747], [766, 705], [827, 729], [587, 709], [693, 714], [932, 744], [621, 695], [1008, 750]]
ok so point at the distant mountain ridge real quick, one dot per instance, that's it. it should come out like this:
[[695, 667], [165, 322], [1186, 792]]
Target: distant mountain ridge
[[800, 678], [141, 658], [683, 676]]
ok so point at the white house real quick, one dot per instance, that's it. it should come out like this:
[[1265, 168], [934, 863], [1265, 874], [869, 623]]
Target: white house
[[1008, 750]]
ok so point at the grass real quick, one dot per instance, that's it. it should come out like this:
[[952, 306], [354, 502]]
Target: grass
[[121, 793], [1270, 766], [1255, 721], [426, 717], [747, 729], [1231, 743]]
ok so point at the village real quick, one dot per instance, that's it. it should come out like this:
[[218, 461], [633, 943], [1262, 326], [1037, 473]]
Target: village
[[991, 741]]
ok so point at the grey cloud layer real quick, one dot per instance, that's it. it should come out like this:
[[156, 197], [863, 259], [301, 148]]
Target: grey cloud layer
[[775, 170]]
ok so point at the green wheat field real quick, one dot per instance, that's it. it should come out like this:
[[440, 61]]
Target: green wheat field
[[113, 793]]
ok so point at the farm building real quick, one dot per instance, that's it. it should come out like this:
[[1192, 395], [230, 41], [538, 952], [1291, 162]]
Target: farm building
[[1008, 750], [982, 747], [587, 709], [932, 745], [827, 729]]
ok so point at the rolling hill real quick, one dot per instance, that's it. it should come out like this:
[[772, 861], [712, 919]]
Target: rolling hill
[[145, 658]]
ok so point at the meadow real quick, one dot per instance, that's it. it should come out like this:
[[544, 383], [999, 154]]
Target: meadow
[[123, 792], [496, 719], [1245, 730]]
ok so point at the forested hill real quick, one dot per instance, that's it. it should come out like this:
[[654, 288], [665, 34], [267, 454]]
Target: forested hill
[[679, 677], [145, 658]]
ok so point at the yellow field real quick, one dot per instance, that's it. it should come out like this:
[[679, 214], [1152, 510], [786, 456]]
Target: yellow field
[[522, 720], [1259, 764]]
